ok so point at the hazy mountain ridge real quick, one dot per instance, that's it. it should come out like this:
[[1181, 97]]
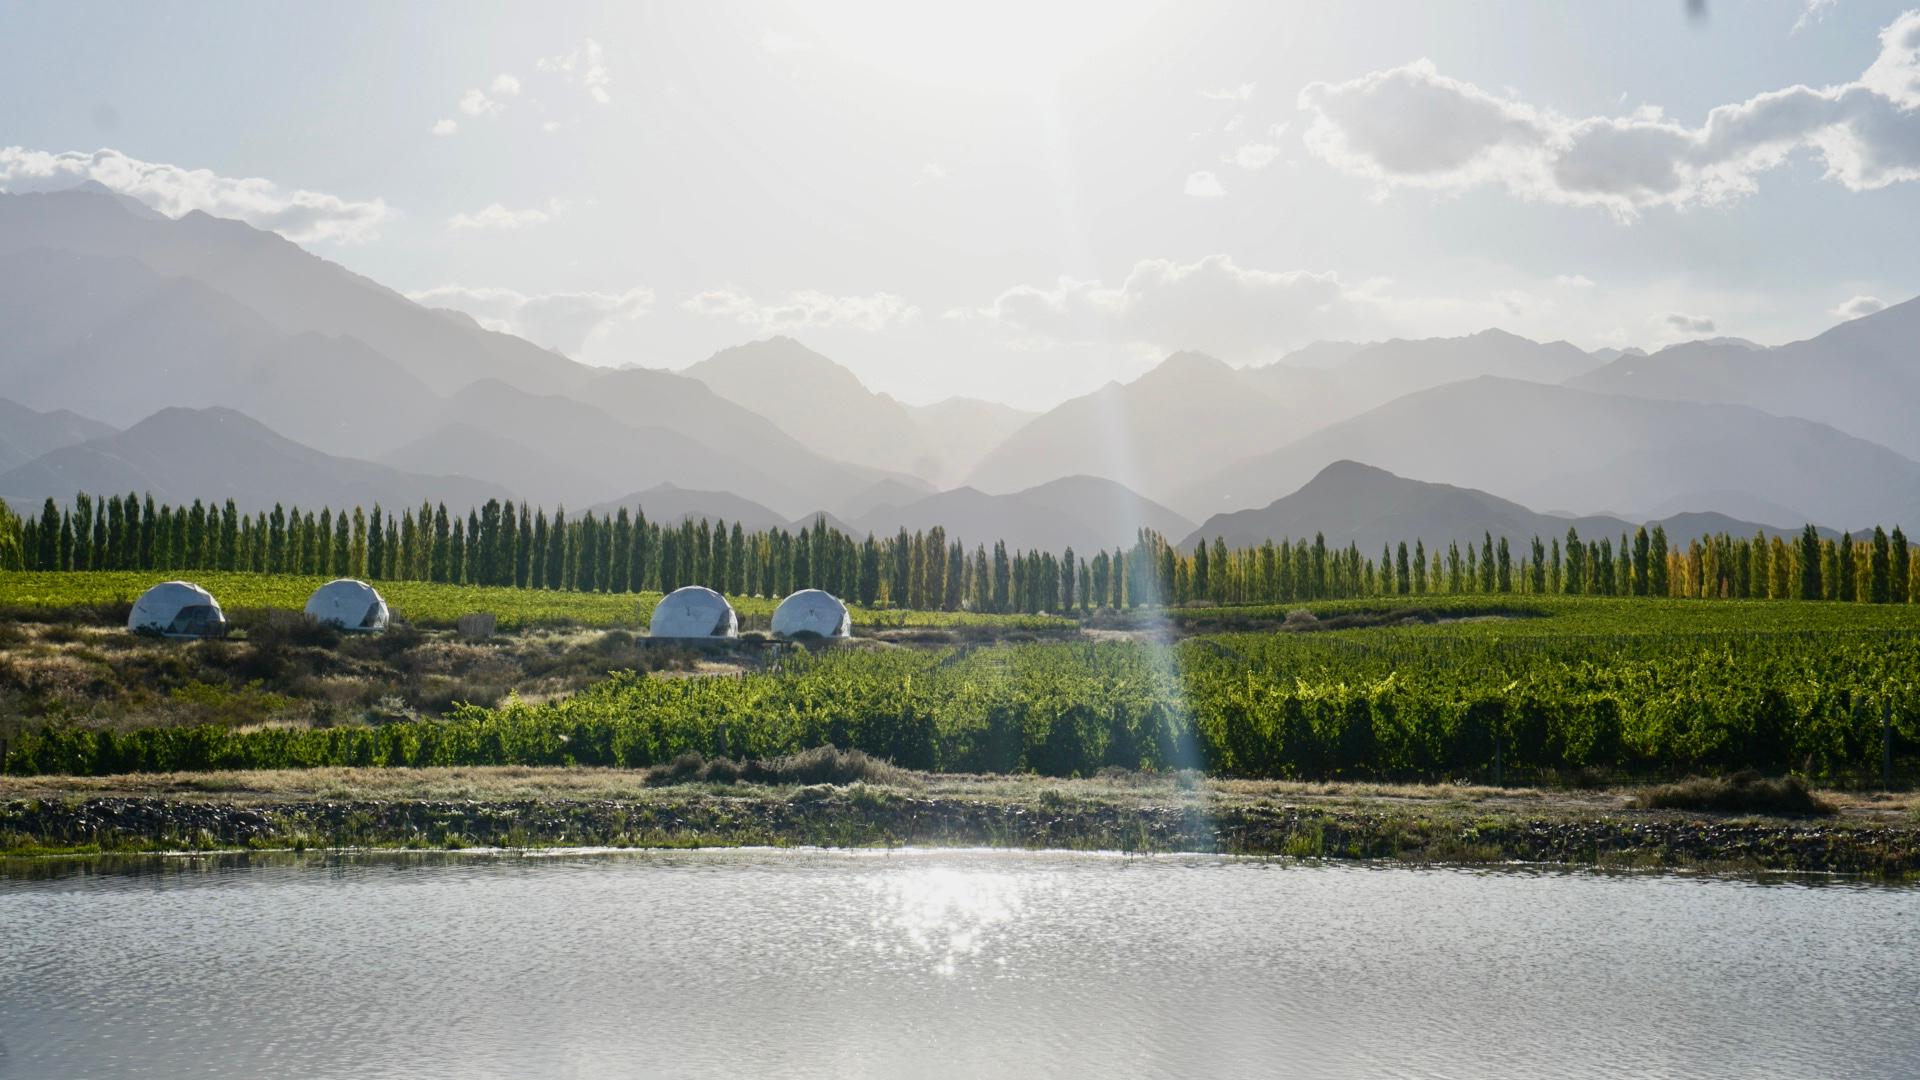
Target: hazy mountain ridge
[[1861, 376], [291, 289], [672, 504], [1558, 446], [26, 434], [1193, 414], [462, 449], [125, 340], [1351, 502], [816, 400], [1376, 373], [125, 314], [819, 401], [1185, 416], [178, 455], [1082, 512], [963, 431], [119, 314]]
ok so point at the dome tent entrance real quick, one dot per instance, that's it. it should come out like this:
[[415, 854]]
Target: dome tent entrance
[[812, 613], [693, 612], [177, 609], [348, 604]]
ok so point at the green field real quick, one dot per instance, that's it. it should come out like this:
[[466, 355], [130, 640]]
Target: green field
[[434, 604], [1568, 687]]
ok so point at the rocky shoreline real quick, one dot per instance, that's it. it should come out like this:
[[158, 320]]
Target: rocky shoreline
[[865, 816]]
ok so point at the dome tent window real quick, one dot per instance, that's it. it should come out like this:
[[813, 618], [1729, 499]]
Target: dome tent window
[[349, 605], [812, 613], [177, 609], [693, 612]]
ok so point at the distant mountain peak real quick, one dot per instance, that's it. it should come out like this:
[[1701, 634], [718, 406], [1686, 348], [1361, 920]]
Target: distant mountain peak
[[1347, 469], [1189, 364], [1737, 342], [776, 349], [94, 189]]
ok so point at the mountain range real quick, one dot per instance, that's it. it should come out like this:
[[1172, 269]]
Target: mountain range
[[1862, 376], [1349, 502], [1079, 512], [814, 399], [1153, 434], [200, 357], [1575, 450], [26, 434], [179, 455]]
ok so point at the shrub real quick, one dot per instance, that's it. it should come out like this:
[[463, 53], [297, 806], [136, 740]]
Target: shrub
[[1744, 792]]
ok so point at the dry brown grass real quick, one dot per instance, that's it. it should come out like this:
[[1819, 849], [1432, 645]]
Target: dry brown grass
[[294, 673], [820, 765], [1741, 793], [517, 783]]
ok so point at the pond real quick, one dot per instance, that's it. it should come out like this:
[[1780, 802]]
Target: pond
[[939, 963]]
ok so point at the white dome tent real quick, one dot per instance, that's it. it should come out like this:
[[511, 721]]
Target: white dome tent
[[693, 612], [177, 609], [350, 605], [812, 613]]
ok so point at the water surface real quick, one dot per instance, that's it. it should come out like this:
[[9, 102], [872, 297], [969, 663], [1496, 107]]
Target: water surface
[[932, 964]]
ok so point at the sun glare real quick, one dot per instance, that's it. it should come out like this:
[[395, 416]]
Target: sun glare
[[984, 47]]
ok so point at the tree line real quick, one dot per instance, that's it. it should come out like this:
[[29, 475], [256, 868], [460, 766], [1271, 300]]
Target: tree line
[[520, 545]]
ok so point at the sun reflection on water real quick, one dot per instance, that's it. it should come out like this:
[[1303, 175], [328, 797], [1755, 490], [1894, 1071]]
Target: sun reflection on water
[[949, 917]]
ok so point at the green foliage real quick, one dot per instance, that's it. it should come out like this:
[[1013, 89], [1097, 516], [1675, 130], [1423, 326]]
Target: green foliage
[[1627, 687], [428, 603], [12, 539]]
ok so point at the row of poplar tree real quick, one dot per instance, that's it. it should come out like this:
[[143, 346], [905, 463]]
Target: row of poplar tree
[[519, 545]]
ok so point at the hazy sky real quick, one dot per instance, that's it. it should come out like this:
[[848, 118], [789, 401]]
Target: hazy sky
[[1020, 201]]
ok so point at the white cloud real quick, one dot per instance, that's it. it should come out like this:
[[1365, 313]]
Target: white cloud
[[931, 173], [497, 216], [1212, 304], [1860, 305], [805, 309], [1229, 93], [1253, 156], [446, 125], [584, 67], [475, 102], [550, 126], [1204, 185], [1690, 324], [566, 321], [1414, 127], [1573, 281], [1814, 11], [298, 215]]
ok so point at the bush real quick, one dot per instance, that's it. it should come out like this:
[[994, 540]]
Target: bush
[[1745, 792], [821, 765]]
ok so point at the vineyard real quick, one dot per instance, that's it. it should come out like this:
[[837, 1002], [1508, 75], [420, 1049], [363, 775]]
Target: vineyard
[[440, 604], [1628, 688]]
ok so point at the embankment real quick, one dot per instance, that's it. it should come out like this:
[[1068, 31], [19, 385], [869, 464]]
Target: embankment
[[540, 808]]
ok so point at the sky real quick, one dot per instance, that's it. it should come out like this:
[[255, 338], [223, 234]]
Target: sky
[[1020, 201]]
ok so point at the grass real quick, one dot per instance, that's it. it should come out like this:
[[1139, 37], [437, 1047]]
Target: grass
[[105, 596], [1472, 686], [1111, 787], [820, 765], [1745, 792], [1523, 615], [845, 801], [289, 672]]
